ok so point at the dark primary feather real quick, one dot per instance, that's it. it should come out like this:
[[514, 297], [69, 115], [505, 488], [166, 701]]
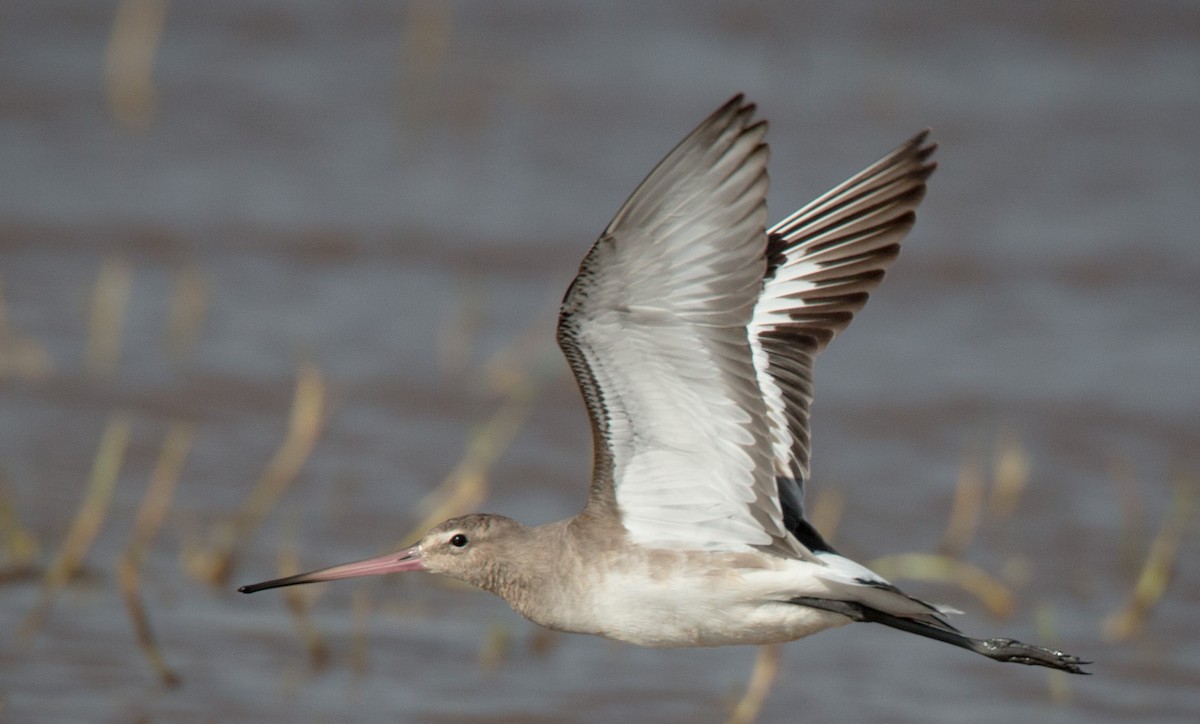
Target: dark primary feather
[[822, 263], [813, 271]]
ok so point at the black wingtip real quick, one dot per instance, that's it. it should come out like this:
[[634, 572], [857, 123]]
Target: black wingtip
[[731, 106], [922, 147], [738, 106]]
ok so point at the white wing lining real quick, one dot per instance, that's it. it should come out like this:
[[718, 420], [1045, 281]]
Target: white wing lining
[[692, 330], [655, 329]]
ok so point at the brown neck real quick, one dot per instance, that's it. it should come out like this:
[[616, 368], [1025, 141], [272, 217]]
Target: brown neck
[[545, 580]]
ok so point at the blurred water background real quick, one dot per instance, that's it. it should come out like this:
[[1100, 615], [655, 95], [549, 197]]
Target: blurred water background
[[317, 247]]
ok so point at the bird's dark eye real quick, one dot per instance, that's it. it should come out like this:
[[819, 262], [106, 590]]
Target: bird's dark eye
[[458, 540]]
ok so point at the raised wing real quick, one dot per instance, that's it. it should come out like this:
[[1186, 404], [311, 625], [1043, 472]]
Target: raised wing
[[822, 262], [654, 328]]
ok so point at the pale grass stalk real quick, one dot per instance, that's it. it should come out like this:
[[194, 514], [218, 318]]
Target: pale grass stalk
[[1057, 682], [129, 61], [304, 426], [189, 304], [1133, 513], [106, 320], [361, 605], [543, 640], [102, 483], [21, 547], [1159, 567], [934, 568], [825, 511], [766, 668], [963, 522], [507, 371], [150, 516], [21, 356], [456, 337], [428, 29], [495, 646], [527, 359], [465, 488], [298, 603], [1010, 476]]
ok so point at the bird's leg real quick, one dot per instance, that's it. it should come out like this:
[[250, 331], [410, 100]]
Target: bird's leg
[[998, 648]]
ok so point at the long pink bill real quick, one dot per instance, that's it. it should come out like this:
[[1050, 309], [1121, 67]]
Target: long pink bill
[[405, 560]]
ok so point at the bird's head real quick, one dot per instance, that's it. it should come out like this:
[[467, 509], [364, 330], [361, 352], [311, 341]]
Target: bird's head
[[469, 548]]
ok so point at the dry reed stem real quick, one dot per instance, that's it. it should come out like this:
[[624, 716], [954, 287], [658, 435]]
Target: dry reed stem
[[361, 605], [766, 667], [963, 521], [1010, 476], [428, 28], [528, 358], [457, 335], [931, 567], [1159, 566], [1133, 514], [825, 512], [189, 304], [102, 483], [21, 356], [304, 425], [507, 371], [106, 320], [1057, 682], [150, 516], [21, 548], [495, 646], [465, 488], [542, 641], [129, 61], [298, 605]]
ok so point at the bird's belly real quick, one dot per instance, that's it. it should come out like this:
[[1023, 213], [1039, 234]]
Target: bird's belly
[[700, 611]]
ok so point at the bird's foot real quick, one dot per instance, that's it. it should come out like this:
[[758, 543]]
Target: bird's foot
[[1021, 653]]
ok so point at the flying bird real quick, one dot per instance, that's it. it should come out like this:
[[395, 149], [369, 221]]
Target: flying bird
[[691, 329]]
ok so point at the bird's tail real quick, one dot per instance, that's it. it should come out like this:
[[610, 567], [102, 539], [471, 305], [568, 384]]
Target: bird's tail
[[860, 594], [934, 627]]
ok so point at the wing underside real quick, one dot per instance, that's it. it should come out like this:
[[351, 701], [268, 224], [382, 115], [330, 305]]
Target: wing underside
[[822, 263], [691, 331]]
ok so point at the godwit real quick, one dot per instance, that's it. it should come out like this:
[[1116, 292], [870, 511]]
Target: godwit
[[691, 329]]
